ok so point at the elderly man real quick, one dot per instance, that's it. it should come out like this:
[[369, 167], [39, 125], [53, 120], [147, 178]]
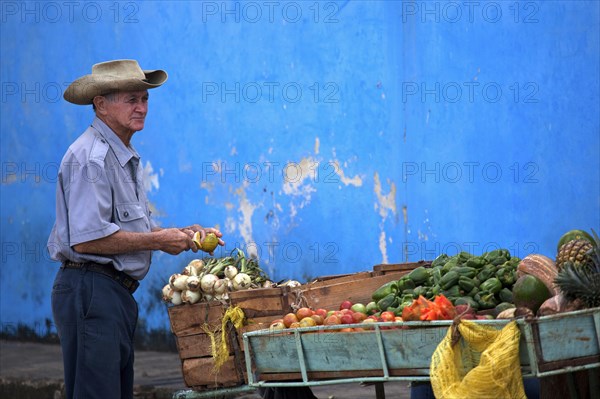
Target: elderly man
[[104, 234]]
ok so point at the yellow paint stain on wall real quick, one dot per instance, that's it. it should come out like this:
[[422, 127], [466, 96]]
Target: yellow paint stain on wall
[[347, 181]]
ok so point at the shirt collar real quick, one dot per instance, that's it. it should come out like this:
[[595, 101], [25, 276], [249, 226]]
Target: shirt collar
[[122, 152]]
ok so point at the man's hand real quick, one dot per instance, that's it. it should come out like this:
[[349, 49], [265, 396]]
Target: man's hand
[[174, 241]]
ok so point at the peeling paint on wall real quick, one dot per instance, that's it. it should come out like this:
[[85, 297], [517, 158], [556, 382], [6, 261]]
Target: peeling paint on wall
[[245, 223], [385, 202], [150, 178], [347, 181], [383, 247], [297, 178]]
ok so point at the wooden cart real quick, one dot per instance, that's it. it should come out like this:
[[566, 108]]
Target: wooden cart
[[550, 345]]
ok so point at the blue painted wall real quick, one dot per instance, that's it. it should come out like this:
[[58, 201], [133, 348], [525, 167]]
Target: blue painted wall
[[326, 137]]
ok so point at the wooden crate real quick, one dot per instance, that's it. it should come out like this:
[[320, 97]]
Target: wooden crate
[[194, 346], [198, 373], [188, 319], [329, 294], [548, 345], [263, 302], [260, 307]]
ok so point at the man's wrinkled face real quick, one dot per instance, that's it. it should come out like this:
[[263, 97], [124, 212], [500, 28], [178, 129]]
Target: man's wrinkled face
[[126, 111]]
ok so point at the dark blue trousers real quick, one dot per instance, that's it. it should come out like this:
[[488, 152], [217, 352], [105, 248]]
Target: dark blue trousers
[[95, 318]]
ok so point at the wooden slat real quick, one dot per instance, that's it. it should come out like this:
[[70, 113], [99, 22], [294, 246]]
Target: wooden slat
[[329, 295], [330, 375], [340, 279], [198, 345], [262, 302], [198, 372], [188, 319], [398, 267]]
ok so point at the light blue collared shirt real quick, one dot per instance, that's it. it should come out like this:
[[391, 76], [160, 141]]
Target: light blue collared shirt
[[99, 192]]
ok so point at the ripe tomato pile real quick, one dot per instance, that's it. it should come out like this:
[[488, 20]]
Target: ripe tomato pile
[[356, 315]]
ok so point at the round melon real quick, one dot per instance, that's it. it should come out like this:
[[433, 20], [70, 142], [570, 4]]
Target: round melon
[[574, 235], [530, 292]]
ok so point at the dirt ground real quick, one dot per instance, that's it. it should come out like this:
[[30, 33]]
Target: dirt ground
[[34, 370]]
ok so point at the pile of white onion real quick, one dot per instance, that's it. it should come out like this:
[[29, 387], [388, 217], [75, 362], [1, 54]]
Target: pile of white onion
[[195, 284]]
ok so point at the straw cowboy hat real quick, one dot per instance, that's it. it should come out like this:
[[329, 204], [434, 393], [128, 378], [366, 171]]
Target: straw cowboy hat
[[113, 76]]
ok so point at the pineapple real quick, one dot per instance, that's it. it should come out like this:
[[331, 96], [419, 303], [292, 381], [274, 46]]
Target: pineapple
[[582, 280], [575, 251]]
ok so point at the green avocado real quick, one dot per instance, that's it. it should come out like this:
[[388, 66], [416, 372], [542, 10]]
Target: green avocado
[[530, 292]]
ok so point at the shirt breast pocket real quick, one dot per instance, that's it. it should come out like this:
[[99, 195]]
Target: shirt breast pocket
[[132, 217]]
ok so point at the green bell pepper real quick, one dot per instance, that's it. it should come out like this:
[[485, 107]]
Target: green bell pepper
[[466, 271], [388, 301], [506, 276], [419, 275], [486, 300], [449, 279], [466, 284], [440, 260], [385, 290], [506, 295], [492, 285]]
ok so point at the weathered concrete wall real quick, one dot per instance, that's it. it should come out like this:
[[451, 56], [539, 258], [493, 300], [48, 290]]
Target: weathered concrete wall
[[324, 136]]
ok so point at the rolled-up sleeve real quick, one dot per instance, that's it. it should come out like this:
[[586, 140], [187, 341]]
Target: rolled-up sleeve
[[89, 200]]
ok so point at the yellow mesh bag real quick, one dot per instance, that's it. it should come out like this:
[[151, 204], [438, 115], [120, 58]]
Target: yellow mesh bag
[[219, 349], [478, 361]]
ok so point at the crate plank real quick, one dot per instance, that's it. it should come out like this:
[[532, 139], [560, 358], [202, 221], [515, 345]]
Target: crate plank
[[329, 294], [387, 268], [197, 345], [261, 302], [188, 319], [339, 279], [198, 372]]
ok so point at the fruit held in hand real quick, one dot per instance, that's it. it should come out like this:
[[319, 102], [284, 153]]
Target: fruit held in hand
[[209, 244]]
